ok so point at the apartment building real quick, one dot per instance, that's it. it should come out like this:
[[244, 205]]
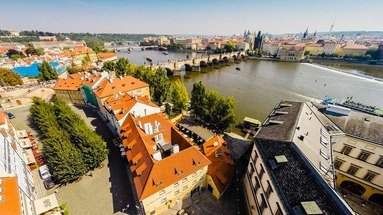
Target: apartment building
[[290, 168], [16, 181], [291, 53], [166, 167]]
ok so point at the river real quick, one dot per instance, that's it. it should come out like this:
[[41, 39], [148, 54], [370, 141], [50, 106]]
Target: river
[[260, 85]]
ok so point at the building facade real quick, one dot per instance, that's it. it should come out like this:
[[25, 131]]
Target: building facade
[[286, 162], [291, 53]]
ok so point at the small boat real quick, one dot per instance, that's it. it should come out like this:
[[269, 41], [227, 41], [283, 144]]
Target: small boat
[[165, 53], [237, 68], [149, 59]]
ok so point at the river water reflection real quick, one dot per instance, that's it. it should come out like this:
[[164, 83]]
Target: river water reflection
[[260, 85]]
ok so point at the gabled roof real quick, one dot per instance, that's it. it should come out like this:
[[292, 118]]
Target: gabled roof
[[68, 84], [108, 88], [150, 175], [11, 204], [221, 169]]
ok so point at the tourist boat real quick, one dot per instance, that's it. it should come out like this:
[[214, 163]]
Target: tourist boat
[[149, 59], [250, 125], [165, 53], [237, 68]]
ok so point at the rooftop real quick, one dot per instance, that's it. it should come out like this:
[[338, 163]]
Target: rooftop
[[359, 124], [10, 203], [202, 132], [154, 167], [111, 86], [280, 124], [295, 180], [221, 169]]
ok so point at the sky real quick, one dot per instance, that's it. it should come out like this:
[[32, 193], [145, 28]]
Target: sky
[[198, 17]]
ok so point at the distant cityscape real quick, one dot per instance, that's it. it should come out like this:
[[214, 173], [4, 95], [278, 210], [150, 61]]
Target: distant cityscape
[[83, 130]]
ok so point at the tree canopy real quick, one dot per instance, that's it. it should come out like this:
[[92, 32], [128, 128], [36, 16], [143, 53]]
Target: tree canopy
[[34, 51], [159, 85], [180, 96], [9, 77], [212, 109], [47, 72], [70, 147]]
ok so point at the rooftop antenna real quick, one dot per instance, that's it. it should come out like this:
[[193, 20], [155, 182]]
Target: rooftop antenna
[[332, 26]]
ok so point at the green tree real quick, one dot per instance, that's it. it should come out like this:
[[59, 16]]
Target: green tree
[[47, 72], [9, 77], [230, 47], [197, 99], [33, 51], [180, 96], [374, 53], [14, 54], [64, 160], [92, 147], [109, 66], [72, 70], [85, 60], [160, 86], [121, 66]]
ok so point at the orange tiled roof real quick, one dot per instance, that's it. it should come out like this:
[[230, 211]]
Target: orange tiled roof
[[126, 84], [124, 103], [221, 169], [103, 56], [11, 203], [68, 84], [150, 175], [3, 118]]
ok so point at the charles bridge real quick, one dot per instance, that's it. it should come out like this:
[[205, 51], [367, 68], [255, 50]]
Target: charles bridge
[[194, 64]]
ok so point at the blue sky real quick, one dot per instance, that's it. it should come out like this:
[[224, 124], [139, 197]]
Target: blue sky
[[220, 17]]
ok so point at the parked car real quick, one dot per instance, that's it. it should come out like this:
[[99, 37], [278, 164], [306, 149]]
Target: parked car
[[10, 115], [49, 183], [44, 172]]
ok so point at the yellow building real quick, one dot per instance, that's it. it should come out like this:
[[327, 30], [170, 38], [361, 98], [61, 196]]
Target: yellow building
[[314, 48], [166, 167], [69, 89], [358, 155], [353, 49]]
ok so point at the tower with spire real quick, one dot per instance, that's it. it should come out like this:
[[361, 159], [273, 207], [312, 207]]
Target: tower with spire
[[258, 41], [332, 26], [306, 33]]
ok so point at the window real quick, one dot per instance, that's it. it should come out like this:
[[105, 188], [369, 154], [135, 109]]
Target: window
[[163, 200], [202, 177], [184, 180], [279, 211], [323, 154], [323, 168], [195, 182], [363, 155], [261, 172], [352, 170], [252, 168], [380, 162], [185, 187], [257, 184], [194, 174], [369, 176], [346, 150], [176, 184], [323, 141], [269, 189], [255, 156], [162, 192], [176, 192], [263, 205], [337, 164]]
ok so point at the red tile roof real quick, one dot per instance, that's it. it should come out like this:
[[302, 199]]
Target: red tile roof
[[150, 175], [221, 169], [108, 88], [68, 84], [11, 204]]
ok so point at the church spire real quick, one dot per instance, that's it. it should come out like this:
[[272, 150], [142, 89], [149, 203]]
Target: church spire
[[306, 33]]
